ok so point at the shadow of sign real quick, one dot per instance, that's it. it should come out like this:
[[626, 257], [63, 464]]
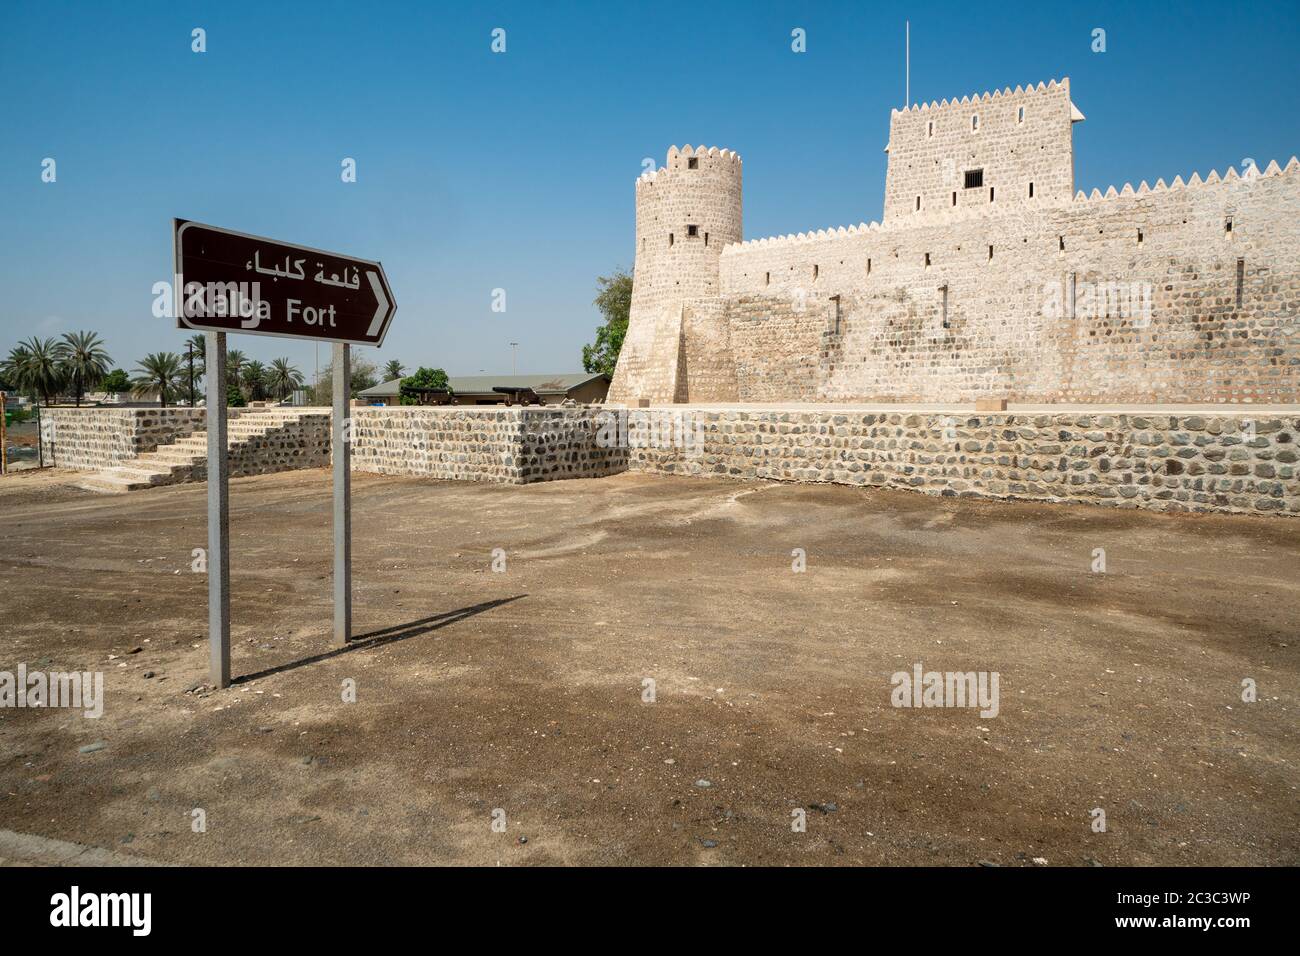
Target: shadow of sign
[[388, 635]]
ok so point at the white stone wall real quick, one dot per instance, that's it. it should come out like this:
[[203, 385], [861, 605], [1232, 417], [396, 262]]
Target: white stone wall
[[1022, 137], [1175, 333]]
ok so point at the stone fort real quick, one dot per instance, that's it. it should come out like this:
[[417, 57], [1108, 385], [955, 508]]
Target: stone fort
[[987, 277], [847, 355]]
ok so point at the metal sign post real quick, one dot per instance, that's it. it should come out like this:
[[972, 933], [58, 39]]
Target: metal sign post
[[228, 281], [341, 449], [218, 514]]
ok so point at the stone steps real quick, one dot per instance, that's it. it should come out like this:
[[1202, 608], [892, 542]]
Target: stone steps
[[180, 460]]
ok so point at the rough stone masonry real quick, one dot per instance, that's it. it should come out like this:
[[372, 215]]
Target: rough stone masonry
[[1224, 463], [988, 277]]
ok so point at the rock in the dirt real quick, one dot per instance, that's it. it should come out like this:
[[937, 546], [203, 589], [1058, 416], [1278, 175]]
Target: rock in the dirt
[[92, 748], [703, 784]]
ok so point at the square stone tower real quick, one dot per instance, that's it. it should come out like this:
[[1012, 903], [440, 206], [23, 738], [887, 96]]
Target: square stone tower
[[1001, 149]]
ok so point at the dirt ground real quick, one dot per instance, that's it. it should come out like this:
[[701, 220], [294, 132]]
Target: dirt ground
[[521, 690]]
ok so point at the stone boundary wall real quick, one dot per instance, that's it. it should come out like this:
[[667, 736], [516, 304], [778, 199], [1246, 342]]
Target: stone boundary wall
[[92, 439], [299, 443], [1213, 462], [570, 443], [468, 443]]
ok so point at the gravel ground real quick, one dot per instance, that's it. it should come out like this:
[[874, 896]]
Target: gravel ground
[[521, 691]]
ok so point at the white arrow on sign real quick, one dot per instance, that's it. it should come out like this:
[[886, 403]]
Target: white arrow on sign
[[378, 288]]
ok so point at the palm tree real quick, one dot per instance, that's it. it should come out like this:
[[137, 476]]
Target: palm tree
[[235, 362], [393, 370], [84, 361], [283, 378], [13, 369], [195, 358], [199, 343], [37, 367], [160, 372], [254, 381]]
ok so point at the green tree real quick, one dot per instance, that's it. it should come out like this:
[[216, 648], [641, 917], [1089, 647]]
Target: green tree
[[84, 361], [116, 382], [235, 362], [363, 377], [614, 300], [36, 367], [283, 378], [199, 345], [422, 379], [394, 369], [13, 370], [158, 372], [253, 378]]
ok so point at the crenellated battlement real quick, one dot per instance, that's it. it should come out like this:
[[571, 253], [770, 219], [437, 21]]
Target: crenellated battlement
[[968, 214], [988, 96], [678, 159], [835, 232], [1231, 176]]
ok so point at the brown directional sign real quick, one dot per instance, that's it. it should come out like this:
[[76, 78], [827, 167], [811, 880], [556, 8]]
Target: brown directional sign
[[231, 282]]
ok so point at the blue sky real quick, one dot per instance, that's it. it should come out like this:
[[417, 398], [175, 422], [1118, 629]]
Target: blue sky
[[479, 170]]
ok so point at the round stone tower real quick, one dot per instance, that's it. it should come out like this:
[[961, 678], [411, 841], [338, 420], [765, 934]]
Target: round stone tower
[[686, 213]]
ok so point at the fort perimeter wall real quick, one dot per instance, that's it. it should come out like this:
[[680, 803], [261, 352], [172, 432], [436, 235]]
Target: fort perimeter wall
[[1215, 460]]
